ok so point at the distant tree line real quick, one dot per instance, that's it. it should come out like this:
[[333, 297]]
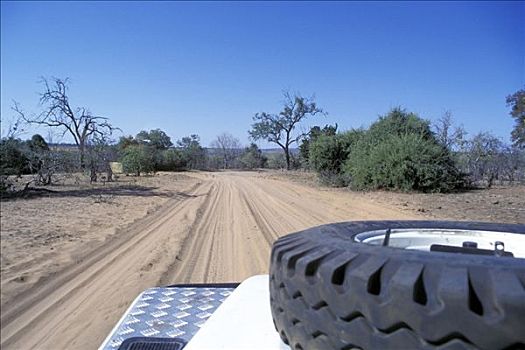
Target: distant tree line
[[399, 151]]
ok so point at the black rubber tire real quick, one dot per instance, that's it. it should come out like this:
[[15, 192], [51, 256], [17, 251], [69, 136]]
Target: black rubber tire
[[329, 292]]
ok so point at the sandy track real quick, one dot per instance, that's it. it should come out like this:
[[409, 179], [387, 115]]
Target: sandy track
[[221, 230]]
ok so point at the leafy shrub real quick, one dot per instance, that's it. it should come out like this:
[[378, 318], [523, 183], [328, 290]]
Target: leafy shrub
[[252, 158], [14, 158], [19, 157], [327, 154], [193, 154], [406, 162], [170, 160], [313, 134], [400, 152], [138, 159], [399, 122]]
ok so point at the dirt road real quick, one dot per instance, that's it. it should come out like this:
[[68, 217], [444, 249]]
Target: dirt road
[[219, 230]]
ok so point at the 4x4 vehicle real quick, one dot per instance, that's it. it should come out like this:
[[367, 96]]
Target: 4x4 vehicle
[[364, 285]]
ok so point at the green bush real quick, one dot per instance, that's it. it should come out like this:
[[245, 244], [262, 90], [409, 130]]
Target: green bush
[[399, 122], [170, 160], [327, 154], [193, 154], [14, 158], [404, 162], [138, 159], [252, 158], [313, 134]]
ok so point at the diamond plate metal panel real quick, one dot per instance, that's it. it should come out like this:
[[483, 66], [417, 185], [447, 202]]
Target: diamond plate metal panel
[[168, 312]]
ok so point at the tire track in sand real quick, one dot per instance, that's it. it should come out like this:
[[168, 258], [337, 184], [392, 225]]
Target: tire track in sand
[[182, 268]]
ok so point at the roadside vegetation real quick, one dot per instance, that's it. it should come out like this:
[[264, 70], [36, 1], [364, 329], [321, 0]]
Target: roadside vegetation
[[403, 152], [400, 151]]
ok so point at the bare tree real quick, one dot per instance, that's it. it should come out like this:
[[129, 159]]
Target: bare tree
[[279, 128], [229, 148], [511, 161], [483, 151], [450, 136], [98, 157], [57, 112]]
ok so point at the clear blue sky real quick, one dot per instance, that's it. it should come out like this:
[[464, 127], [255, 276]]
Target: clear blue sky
[[207, 67]]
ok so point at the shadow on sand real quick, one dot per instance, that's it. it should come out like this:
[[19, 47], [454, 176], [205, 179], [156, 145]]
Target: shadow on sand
[[117, 191]]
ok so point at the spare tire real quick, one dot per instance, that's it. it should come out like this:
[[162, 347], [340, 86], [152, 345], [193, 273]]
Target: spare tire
[[338, 287]]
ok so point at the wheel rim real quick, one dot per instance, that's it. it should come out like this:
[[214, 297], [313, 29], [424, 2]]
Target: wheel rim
[[423, 239]]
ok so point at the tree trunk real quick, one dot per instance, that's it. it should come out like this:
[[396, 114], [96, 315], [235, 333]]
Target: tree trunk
[[81, 149], [490, 181], [109, 174], [92, 174], [287, 154], [287, 150]]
